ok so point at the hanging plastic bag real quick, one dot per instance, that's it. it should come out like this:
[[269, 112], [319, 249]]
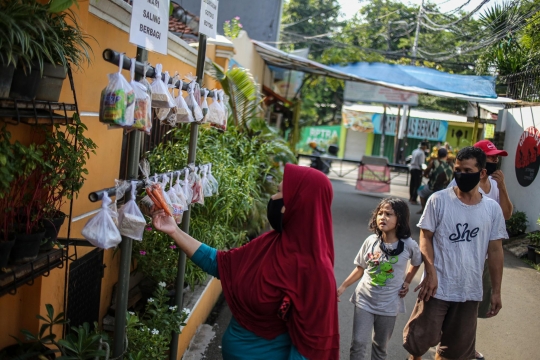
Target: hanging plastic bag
[[192, 103], [184, 114], [117, 100], [204, 104], [180, 192], [213, 180], [161, 97], [143, 110], [101, 231], [196, 186], [130, 218], [222, 119], [154, 191], [172, 115], [162, 113], [188, 191], [206, 185], [144, 80], [178, 207], [215, 111]]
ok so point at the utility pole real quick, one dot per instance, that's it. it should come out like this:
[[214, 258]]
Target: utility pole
[[415, 45]]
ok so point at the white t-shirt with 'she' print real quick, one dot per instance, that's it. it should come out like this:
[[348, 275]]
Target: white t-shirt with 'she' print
[[461, 237]]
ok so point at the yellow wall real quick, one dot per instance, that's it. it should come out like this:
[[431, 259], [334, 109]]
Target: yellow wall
[[19, 311]]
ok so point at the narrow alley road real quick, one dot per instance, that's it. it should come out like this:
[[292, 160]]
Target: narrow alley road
[[510, 335]]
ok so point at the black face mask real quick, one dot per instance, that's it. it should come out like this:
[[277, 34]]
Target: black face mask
[[491, 168], [274, 214], [467, 181]]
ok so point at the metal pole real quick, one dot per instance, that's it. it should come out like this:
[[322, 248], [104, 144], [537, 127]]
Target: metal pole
[[122, 288], [383, 130], [476, 123], [396, 137], [415, 45], [192, 152]]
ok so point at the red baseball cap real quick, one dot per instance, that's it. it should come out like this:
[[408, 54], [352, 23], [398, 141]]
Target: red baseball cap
[[489, 148]]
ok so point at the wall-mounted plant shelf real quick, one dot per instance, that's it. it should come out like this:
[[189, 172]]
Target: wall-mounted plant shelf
[[35, 112], [15, 276]]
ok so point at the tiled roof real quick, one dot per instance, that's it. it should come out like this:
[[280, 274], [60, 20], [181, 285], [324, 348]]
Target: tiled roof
[[177, 27]]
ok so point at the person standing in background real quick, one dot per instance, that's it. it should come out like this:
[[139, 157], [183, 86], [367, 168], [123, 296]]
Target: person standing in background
[[418, 159]]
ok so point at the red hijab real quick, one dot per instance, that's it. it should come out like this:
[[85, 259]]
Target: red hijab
[[298, 263]]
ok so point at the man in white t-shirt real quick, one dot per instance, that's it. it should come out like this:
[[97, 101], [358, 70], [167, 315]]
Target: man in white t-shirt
[[418, 158], [492, 185], [458, 228]]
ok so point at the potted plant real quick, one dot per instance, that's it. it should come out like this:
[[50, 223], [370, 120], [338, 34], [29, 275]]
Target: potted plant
[[35, 38], [69, 164], [517, 224], [72, 50]]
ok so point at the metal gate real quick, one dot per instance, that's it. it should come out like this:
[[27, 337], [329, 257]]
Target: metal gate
[[84, 288]]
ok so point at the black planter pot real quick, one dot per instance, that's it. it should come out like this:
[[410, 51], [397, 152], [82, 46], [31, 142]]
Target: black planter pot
[[50, 85], [6, 77], [26, 247], [5, 251], [52, 227], [531, 252], [25, 85], [537, 257]]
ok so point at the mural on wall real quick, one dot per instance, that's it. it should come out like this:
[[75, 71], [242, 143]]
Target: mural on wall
[[528, 156]]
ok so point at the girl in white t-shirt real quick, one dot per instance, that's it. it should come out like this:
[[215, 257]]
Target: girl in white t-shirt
[[378, 298]]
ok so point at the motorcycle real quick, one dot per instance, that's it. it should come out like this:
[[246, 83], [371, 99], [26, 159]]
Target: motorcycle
[[321, 162]]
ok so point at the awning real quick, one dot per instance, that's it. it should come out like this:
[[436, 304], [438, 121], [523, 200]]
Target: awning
[[275, 57], [414, 113]]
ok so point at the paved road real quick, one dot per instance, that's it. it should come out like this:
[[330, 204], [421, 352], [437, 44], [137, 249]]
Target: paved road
[[511, 335]]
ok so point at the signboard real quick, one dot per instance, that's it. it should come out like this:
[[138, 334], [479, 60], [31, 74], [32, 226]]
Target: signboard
[[528, 156], [373, 178], [208, 18], [150, 24], [358, 120], [489, 131], [434, 130], [323, 136], [357, 91]]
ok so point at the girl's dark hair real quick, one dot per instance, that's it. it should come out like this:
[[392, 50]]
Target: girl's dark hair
[[403, 231]]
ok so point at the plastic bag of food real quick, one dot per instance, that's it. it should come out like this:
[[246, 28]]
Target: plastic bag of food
[[206, 185], [204, 104], [172, 115], [154, 190], [184, 114], [144, 80], [117, 100], [215, 111], [188, 191], [192, 103], [131, 222], [178, 207], [161, 97], [213, 180], [196, 186], [101, 231], [180, 192], [143, 110]]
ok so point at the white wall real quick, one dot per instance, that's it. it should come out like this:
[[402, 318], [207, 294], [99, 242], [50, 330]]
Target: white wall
[[513, 122]]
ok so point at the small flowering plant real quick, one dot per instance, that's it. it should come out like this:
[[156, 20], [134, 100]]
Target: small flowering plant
[[156, 256], [149, 332], [231, 28]]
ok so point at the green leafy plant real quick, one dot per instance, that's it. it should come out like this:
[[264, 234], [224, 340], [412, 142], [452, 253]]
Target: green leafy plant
[[534, 237], [517, 224], [149, 333], [156, 256], [232, 28], [81, 344]]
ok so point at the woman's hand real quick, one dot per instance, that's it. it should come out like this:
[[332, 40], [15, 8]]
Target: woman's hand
[[340, 291], [164, 223], [404, 290]]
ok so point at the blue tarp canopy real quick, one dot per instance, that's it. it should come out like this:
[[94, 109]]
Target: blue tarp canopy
[[424, 78]]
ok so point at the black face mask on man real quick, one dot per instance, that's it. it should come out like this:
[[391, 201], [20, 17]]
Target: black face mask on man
[[274, 214], [491, 168], [466, 181]]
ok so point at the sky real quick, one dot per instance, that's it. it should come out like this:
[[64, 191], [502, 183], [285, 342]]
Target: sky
[[350, 7]]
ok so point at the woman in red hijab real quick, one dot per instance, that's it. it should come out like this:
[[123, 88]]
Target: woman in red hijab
[[280, 287]]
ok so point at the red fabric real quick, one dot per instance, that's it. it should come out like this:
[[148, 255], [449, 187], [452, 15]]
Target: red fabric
[[298, 263]]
